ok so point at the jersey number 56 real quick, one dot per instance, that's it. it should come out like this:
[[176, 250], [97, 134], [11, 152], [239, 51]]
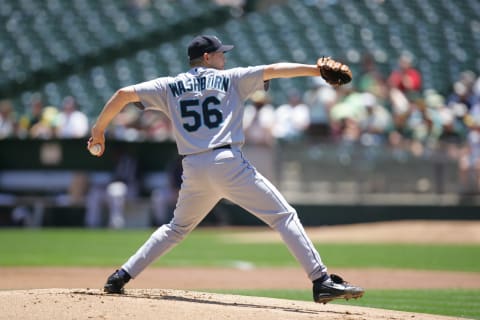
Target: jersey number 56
[[209, 115]]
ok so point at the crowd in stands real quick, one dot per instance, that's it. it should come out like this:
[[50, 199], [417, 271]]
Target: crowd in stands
[[374, 111]]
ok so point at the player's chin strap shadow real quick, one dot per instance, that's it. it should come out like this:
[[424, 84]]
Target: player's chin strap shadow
[[202, 297]]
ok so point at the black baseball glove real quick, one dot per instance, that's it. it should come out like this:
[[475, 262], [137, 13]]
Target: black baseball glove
[[333, 72]]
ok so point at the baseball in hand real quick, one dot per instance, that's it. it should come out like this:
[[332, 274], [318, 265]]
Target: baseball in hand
[[95, 149]]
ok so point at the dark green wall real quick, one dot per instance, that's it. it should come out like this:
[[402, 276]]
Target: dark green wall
[[317, 215], [17, 154], [310, 215]]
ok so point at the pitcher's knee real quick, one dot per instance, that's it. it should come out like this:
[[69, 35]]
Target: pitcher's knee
[[172, 232], [279, 220]]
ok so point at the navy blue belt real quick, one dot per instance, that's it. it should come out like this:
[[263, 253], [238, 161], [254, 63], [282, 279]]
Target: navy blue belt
[[226, 146]]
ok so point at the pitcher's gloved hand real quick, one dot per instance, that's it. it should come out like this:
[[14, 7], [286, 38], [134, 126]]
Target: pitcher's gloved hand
[[333, 72]]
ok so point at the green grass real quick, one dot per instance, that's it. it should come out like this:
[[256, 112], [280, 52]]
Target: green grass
[[448, 302], [78, 247]]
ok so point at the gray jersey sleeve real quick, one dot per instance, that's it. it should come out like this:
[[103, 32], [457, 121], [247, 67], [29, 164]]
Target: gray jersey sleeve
[[248, 80], [153, 93]]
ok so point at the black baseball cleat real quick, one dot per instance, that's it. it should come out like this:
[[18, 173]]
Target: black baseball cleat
[[116, 281], [332, 287]]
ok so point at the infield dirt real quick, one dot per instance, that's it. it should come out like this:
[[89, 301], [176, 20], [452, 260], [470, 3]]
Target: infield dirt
[[165, 304]]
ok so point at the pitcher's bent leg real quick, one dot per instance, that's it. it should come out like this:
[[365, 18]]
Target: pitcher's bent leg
[[159, 243], [193, 204]]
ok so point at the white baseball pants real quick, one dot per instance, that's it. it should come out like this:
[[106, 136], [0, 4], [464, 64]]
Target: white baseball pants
[[225, 173]]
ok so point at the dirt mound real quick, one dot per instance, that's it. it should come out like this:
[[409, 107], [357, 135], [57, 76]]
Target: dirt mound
[[47, 304]]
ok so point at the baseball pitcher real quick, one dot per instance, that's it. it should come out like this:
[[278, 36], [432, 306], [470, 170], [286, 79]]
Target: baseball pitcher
[[205, 105]]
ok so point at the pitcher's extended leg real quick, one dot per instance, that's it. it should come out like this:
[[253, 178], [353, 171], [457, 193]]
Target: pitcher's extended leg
[[257, 195]]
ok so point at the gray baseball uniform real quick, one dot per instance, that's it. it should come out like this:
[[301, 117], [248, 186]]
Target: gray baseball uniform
[[205, 107]]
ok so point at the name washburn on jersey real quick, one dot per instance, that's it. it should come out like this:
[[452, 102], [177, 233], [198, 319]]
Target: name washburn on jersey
[[201, 83]]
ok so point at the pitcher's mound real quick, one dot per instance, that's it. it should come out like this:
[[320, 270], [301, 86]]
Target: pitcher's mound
[[48, 304]]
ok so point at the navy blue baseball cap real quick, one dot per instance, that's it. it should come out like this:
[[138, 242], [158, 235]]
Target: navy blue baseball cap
[[206, 44]]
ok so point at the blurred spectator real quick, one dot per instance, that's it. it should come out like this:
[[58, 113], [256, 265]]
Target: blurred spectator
[[71, 123], [31, 117], [468, 78], [424, 127], [292, 119], [375, 124], [258, 121], [345, 117], [320, 98], [406, 78], [405, 83], [463, 96], [371, 79], [7, 119], [40, 121], [453, 127], [349, 105], [46, 127]]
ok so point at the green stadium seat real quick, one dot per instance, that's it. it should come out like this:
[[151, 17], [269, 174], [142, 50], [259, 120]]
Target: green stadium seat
[[442, 35]]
